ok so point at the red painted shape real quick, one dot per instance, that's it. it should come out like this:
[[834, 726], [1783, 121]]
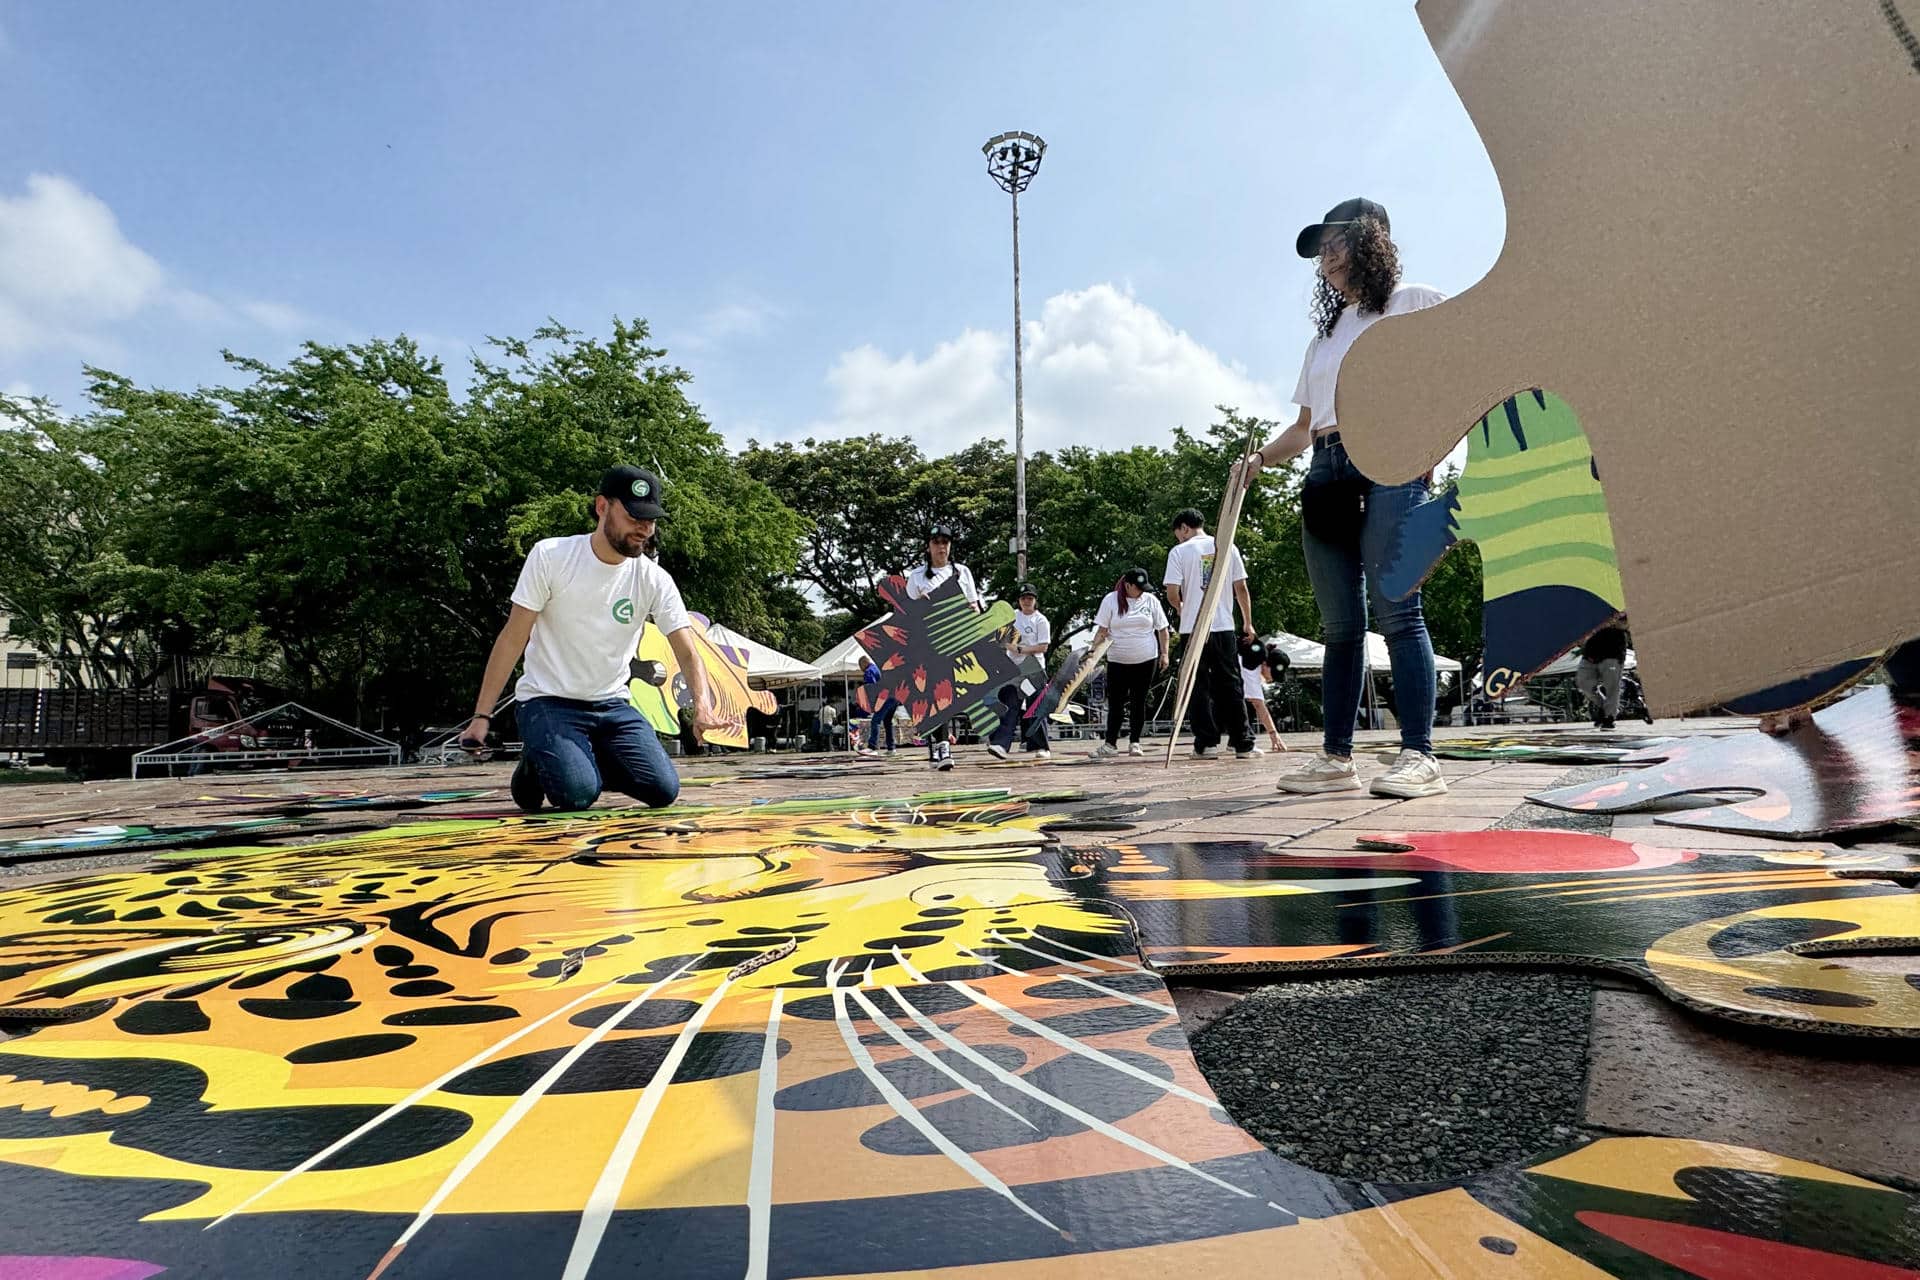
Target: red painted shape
[[1535, 850], [1722, 1255]]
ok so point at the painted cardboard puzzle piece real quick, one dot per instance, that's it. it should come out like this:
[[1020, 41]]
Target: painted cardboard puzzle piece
[[1856, 765], [661, 703], [942, 659], [129, 837], [1530, 498], [777, 1041], [1074, 672], [1765, 937], [1551, 748], [1694, 372]]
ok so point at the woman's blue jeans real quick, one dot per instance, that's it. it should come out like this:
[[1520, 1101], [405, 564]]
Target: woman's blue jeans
[[1343, 586]]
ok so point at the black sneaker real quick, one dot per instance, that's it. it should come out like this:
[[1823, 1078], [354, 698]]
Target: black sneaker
[[525, 787]]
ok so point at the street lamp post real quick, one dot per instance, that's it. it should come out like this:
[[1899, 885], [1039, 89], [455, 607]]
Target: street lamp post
[[1012, 160]]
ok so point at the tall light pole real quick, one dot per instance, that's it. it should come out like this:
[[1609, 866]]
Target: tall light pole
[[1012, 160]]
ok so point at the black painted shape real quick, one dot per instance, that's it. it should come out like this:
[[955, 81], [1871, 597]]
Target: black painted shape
[[178, 1124], [1084, 1024], [350, 1047], [1758, 936], [320, 986], [450, 1015], [615, 1064], [651, 1016], [298, 1010], [163, 1018]]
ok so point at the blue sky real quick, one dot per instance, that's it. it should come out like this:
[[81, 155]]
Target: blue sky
[[793, 196]]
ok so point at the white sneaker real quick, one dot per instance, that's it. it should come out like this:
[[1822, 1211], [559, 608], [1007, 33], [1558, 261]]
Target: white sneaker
[[1413, 775], [1321, 773], [1206, 753], [1136, 750], [1104, 752], [942, 757], [1255, 750], [1043, 754], [997, 751]]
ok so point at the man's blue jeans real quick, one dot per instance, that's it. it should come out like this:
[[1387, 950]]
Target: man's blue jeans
[[577, 748], [1343, 585]]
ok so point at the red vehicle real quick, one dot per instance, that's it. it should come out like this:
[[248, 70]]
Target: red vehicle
[[94, 733]]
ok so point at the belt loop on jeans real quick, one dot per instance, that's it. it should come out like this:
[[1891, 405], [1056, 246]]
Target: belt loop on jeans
[[1325, 440]]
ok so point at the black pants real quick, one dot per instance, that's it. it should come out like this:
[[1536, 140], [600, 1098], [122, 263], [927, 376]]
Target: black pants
[[1127, 684], [1219, 698]]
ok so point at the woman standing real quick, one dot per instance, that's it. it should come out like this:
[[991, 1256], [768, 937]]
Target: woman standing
[[1132, 616], [1348, 521]]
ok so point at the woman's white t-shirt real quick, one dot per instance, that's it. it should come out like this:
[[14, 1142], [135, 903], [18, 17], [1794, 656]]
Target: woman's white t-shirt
[[1135, 632], [1252, 686], [1320, 372], [591, 613]]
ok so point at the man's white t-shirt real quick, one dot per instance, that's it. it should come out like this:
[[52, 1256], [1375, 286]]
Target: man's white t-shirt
[[923, 580], [1135, 632], [1032, 628], [591, 613], [1320, 371], [1190, 568]]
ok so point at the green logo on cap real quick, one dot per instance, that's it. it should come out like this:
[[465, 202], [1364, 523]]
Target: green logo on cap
[[623, 611], [641, 489]]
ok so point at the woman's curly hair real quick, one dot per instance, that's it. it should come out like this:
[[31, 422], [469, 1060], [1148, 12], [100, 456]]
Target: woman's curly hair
[[1374, 269]]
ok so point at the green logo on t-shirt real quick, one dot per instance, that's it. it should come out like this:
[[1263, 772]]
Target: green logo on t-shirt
[[623, 611]]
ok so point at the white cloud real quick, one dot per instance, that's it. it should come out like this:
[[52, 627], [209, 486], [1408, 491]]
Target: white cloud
[[277, 316], [747, 317], [1102, 369], [69, 276]]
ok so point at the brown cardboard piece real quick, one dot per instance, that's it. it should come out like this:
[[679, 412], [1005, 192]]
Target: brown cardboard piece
[[1713, 254]]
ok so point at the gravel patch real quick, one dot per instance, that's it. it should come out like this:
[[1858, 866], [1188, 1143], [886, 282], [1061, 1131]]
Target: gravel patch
[[1408, 1078], [1538, 815]]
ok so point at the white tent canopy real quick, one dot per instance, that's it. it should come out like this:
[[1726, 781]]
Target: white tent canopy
[[846, 658], [1566, 662], [767, 667], [1309, 656]]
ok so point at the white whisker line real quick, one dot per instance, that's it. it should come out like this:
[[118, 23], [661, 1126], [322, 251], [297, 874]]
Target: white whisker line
[[1126, 965], [760, 1171], [1064, 1107], [417, 1095], [500, 1128], [605, 1196], [908, 1112], [1155, 1005], [931, 1059], [1068, 1043]]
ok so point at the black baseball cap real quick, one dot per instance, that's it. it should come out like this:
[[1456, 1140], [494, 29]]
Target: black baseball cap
[[1138, 577], [939, 531], [1026, 589], [636, 489], [1344, 214]]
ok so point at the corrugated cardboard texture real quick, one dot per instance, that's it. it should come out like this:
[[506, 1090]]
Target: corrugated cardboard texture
[[1713, 254]]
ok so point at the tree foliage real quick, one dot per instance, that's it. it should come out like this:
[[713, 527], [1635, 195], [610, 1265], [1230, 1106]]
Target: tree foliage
[[349, 522]]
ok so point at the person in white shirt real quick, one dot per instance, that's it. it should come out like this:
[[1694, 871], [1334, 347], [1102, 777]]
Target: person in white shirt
[[921, 583], [577, 614], [1348, 522], [1132, 618], [1255, 679], [1032, 636], [1219, 708]]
